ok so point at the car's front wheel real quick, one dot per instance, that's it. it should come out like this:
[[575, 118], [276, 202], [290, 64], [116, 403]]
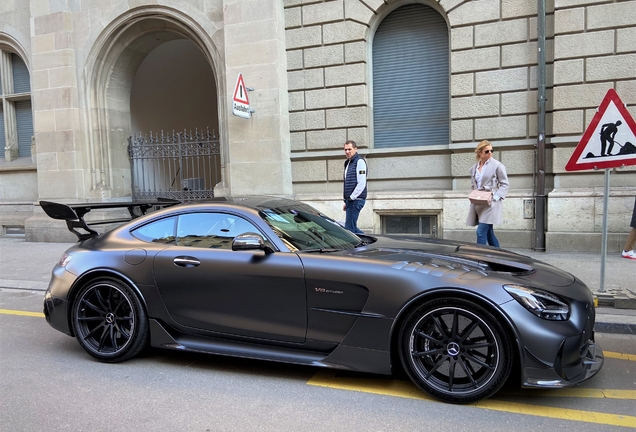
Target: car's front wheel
[[109, 321], [455, 350]]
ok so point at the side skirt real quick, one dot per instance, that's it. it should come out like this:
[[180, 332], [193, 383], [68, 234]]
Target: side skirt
[[343, 357]]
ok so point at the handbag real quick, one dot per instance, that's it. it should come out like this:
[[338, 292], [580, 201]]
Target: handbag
[[480, 197]]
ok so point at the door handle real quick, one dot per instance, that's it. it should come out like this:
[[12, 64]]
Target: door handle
[[185, 261]]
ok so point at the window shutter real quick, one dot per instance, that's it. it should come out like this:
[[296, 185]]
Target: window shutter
[[411, 79], [24, 123], [21, 81]]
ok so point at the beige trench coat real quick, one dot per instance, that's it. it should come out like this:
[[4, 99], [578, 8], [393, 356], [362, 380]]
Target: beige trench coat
[[494, 178]]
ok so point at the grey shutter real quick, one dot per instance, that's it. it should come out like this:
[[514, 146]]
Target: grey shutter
[[24, 123], [3, 141], [411, 79], [21, 81]]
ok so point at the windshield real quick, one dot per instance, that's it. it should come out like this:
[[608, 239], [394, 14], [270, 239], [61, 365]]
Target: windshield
[[303, 229]]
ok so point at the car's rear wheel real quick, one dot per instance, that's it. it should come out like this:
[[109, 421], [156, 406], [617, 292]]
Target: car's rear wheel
[[109, 321], [455, 350]]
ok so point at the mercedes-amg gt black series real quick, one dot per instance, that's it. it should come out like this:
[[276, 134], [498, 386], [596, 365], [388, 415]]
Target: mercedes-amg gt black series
[[274, 279]]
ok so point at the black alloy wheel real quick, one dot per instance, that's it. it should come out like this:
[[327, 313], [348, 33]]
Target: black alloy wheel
[[455, 350], [109, 321]]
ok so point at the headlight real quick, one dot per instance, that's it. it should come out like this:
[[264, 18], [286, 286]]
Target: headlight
[[539, 302], [63, 262]]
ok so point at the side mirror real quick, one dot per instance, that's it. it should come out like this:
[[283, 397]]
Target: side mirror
[[249, 241]]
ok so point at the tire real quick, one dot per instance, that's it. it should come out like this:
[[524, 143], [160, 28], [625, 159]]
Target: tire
[[109, 321], [455, 350]]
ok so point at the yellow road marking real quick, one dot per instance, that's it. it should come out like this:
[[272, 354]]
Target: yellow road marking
[[23, 313], [559, 413], [406, 389], [620, 356], [576, 392]]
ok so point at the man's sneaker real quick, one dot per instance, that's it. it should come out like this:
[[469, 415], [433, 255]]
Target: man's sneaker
[[629, 254]]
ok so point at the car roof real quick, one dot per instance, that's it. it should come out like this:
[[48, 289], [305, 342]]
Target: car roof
[[253, 202]]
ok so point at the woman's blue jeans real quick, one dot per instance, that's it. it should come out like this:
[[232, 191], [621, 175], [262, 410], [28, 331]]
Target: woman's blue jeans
[[486, 235]]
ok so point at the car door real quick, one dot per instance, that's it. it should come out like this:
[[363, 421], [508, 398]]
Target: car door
[[207, 285]]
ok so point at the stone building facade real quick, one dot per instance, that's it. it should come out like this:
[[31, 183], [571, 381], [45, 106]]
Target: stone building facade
[[324, 72]]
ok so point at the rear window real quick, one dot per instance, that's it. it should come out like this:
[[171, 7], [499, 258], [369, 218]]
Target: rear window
[[161, 231]]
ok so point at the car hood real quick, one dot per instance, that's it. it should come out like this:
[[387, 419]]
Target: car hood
[[482, 258]]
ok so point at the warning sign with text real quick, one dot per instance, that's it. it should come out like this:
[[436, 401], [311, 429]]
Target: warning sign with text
[[240, 100]]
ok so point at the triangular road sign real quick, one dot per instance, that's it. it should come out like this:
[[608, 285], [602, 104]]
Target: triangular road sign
[[240, 92], [610, 139]]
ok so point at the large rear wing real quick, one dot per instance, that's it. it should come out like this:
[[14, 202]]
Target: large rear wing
[[74, 214]]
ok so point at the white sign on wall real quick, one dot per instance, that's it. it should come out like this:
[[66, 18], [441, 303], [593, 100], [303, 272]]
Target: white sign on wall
[[240, 100]]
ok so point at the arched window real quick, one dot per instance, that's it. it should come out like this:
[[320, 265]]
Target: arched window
[[16, 117], [411, 79]]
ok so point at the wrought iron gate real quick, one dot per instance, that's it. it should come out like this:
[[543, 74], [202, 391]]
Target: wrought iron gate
[[180, 166]]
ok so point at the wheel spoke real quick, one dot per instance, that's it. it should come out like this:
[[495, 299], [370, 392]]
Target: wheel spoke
[[439, 326], [441, 361], [427, 353], [113, 339], [469, 331], [451, 374], [455, 325], [468, 371], [479, 362], [478, 346], [428, 337], [93, 307], [124, 332], [94, 331], [92, 318], [100, 299], [102, 339]]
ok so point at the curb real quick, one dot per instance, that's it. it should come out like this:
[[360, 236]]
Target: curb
[[616, 328]]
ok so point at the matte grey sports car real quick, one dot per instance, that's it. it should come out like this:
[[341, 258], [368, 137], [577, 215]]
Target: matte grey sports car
[[274, 279]]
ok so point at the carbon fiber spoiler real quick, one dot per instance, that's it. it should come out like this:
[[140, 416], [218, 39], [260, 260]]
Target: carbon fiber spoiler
[[74, 214]]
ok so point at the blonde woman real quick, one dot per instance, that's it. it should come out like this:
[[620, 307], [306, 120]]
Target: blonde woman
[[487, 174]]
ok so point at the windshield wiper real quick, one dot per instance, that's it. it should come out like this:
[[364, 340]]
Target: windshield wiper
[[321, 250]]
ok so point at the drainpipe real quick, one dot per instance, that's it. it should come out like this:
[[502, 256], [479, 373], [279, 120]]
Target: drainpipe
[[539, 193]]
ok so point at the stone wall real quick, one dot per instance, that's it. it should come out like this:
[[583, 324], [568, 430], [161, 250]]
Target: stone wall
[[493, 91]]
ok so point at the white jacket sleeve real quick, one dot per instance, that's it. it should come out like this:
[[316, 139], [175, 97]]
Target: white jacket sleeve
[[361, 177]]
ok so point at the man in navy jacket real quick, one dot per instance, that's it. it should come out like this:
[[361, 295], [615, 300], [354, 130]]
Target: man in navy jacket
[[355, 186]]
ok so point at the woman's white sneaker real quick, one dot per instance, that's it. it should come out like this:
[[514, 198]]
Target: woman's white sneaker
[[629, 254]]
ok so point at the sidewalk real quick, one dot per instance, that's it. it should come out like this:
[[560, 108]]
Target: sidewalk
[[28, 265]]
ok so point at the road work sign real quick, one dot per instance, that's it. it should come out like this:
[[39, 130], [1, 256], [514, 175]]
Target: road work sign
[[610, 139]]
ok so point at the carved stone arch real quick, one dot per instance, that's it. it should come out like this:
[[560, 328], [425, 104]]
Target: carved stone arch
[[15, 41], [110, 67], [386, 8]]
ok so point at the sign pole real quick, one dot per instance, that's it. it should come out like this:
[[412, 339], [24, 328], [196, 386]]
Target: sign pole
[[604, 240]]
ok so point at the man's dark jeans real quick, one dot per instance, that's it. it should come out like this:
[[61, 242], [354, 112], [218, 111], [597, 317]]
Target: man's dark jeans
[[353, 211]]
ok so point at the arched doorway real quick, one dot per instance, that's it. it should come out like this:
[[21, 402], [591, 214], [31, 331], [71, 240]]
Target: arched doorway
[[174, 149], [125, 95]]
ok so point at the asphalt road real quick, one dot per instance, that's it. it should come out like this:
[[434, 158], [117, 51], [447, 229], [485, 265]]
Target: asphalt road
[[48, 383]]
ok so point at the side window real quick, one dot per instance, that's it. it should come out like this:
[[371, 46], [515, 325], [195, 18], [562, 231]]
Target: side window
[[161, 231], [212, 230]]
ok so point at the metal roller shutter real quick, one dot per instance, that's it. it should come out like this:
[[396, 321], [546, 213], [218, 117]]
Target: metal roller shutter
[[411, 79], [24, 123], [21, 80]]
